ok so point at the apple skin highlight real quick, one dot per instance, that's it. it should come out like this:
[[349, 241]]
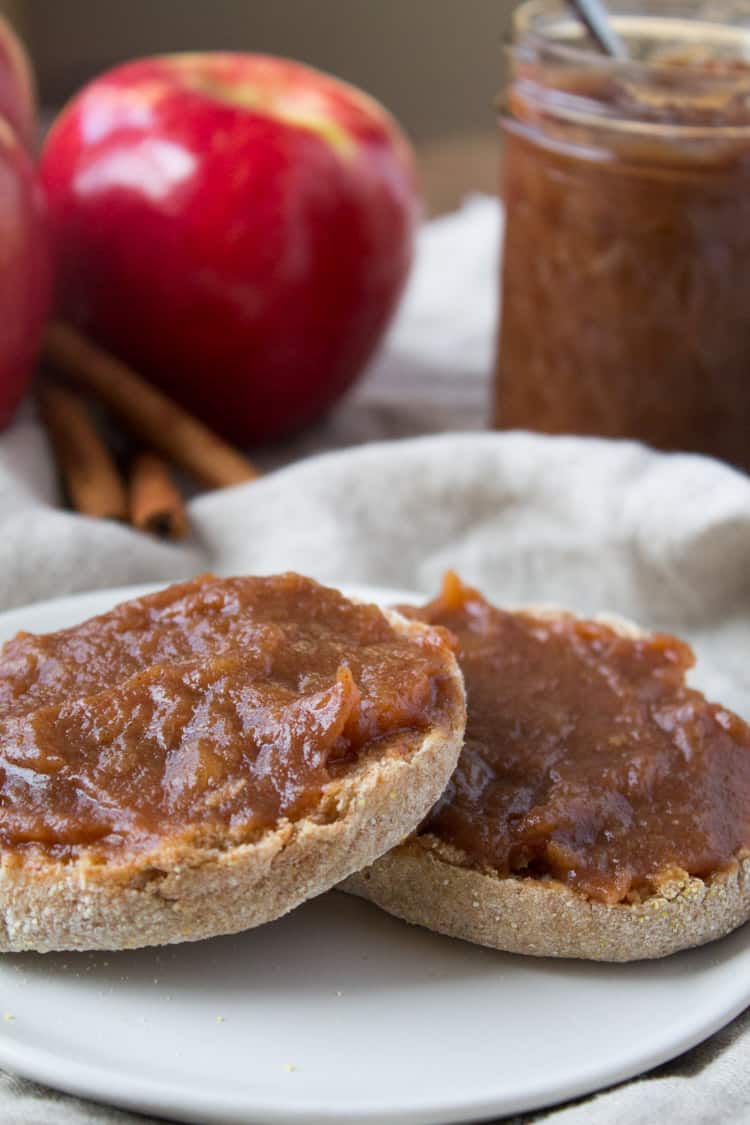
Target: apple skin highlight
[[239, 228]]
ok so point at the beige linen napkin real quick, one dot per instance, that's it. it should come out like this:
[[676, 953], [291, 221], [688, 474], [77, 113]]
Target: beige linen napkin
[[588, 524]]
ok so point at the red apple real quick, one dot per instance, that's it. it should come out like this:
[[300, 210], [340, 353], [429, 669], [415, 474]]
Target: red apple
[[25, 276], [238, 227], [17, 99]]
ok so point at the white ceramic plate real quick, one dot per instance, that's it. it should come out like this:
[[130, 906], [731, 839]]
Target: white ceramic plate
[[339, 1013]]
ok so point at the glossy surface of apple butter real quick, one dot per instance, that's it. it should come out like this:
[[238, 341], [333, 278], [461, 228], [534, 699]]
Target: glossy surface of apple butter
[[213, 708], [586, 758]]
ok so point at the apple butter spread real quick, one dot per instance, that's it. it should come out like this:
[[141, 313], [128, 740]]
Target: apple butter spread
[[210, 710], [587, 758], [626, 268]]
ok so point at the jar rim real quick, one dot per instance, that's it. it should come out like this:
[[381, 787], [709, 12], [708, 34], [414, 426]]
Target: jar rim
[[552, 24], [547, 37]]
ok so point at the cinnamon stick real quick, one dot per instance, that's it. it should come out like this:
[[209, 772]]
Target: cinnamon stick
[[86, 467], [155, 419], [155, 503]]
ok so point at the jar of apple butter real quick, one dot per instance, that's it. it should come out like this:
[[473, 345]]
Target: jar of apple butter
[[626, 267]]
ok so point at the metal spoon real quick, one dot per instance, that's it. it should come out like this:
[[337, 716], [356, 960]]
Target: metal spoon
[[595, 17]]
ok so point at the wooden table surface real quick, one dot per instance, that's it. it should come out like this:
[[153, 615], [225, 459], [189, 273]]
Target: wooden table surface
[[452, 167]]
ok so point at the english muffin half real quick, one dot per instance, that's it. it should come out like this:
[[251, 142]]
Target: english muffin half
[[600, 808], [204, 759]]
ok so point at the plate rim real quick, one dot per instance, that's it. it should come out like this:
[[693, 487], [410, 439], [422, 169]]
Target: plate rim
[[94, 1082]]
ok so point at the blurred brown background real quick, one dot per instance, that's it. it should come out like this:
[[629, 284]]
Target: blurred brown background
[[436, 64]]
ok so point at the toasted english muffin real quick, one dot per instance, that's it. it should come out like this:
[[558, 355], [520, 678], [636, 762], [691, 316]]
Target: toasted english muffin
[[534, 900], [202, 760]]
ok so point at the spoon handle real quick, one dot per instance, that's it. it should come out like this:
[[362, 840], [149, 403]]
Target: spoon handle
[[593, 14]]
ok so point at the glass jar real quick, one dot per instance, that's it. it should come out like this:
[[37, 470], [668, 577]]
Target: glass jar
[[626, 267]]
